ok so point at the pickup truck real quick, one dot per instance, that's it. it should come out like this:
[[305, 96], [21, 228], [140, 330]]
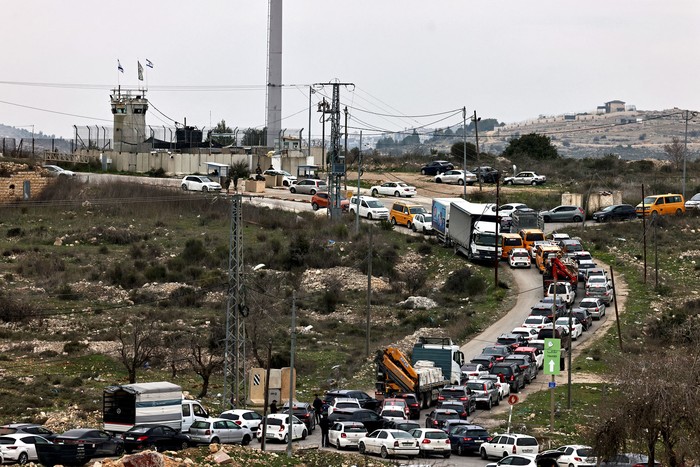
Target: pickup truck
[[525, 178], [485, 392]]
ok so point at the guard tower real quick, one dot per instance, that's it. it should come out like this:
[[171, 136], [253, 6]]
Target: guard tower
[[129, 108]]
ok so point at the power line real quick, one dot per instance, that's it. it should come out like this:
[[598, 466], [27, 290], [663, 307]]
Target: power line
[[54, 111]]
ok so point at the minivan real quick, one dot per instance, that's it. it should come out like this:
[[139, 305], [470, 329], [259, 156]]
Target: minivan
[[530, 236], [510, 241], [371, 208], [661, 205], [402, 212]]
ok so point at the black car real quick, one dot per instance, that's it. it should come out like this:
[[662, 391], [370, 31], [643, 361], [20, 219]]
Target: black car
[[487, 361], [436, 418], [457, 406], [498, 351], [436, 167], [366, 402], [616, 212], [468, 438], [458, 394], [304, 412], [546, 309], [158, 438], [486, 174], [413, 404], [511, 340], [369, 418], [526, 364], [584, 317], [406, 426], [510, 373], [105, 444], [29, 428]]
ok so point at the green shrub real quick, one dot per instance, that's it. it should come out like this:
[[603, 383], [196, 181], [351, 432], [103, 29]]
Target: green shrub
[[74, 347], [66, 292], [456, 282], [425, 249], [15, 232]]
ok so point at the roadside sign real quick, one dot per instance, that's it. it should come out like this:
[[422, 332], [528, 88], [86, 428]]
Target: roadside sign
[[552, 354], [552, 384], [512, 399]]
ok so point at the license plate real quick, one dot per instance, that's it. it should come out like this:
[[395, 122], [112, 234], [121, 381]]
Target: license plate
[[408, 444], [527, 450], [478, 440]]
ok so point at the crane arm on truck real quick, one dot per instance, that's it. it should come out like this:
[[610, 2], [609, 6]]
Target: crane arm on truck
[[398, 369], [562, 270]]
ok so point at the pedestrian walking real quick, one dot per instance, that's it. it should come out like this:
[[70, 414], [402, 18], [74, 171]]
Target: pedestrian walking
[[273, 406], [227, 183], [318, 407], [325, 427]]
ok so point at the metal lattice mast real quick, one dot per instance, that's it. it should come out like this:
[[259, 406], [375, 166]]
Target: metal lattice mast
[[234, 361]]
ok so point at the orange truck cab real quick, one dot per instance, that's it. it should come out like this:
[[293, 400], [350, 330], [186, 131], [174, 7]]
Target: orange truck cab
[[531, 236]]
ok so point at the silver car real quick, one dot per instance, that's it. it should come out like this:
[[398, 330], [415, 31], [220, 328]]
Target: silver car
[[219, 430], [309, 186], [460, 177]]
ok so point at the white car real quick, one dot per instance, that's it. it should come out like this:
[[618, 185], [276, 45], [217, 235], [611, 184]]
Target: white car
[[576, 326], [528, 333], [20, 448], [278, 428], [371, 208], [520, 461], [506, 444], [595, 306], [398, 189], [422, 223], [519, 258], [576, 455], [456, 176], [525, 178], [563, 290], [287, 178], [389, 443], [537, 322], [473, 371], [433, 441], [395, 413], [503, 387], [199, 183], [694, 202], [56, 171], [344, 403], [507, 210], [346, 434], [243, 417]]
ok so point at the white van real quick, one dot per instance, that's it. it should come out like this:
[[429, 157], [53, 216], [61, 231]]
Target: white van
[[371, 208]]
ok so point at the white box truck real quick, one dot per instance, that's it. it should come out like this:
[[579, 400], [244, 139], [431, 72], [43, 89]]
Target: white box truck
[[474, 231], [159, 403], [441, 217]]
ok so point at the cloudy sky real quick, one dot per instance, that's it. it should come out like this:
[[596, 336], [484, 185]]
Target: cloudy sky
[[509, 59]]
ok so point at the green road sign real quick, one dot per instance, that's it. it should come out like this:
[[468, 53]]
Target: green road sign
[[552, 354]]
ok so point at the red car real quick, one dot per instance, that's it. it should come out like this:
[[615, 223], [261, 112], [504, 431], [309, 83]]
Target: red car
[[321, 200]]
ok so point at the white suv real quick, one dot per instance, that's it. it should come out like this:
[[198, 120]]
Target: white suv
[[371, 208], [278, 428], [504, 445], [564, 290], [344, 403]]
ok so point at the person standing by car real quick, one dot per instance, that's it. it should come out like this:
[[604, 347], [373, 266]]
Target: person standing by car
[[318, 407], [273, 406], [325, 427]]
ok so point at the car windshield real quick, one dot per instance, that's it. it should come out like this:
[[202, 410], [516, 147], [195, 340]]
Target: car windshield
[[355, 429], [401, 434], [435, 435], [609, 208], [272, 421], [470, 367], [533, 320], [452, 392], [417, 210], [695, 197], [485, 239], [584, 304], [513, 242], [476, 386], [585, 452], [402, 184], [205, 179], [374, 204], [597, 280], [392, 413], [531, 237], [345, 405], [649, 200], [427, 218]]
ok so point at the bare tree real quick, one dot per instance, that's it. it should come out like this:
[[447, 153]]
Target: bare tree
[[206, 357], [139, 343], [675, 152]]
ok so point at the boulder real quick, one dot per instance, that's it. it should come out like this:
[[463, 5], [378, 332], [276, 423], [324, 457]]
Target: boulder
[[420, 303]]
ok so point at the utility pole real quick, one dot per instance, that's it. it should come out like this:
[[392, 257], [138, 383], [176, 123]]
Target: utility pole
[[685, 145], [369, 292], [464, 142], [644, 235], [236, 310], [311, 91], [345, 151], [617, 316], [656, 255], [357, 195], [323, 108], [337, 161], [267, 395], [498, 228], [554, 332], [291, 371], [476, 132]]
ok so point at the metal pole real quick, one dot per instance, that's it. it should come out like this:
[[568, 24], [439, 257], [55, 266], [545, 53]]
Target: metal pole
[[267, 395], [554, 331], [568, 387], [369, 292], [345, 156], [464, 142], [476, 131], [617, 317], [644, 234], [685, 150], [498, 228], [311, 91], [291, 372], [357, 195], [656, 257]]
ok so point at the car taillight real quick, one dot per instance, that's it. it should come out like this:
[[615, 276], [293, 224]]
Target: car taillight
[[142, 438], [463, 398], [488, 439], [9, 447], [426, 441], [578, 459], [441, 398], [512, 378], [466, 439], [343, 435], [414, 405], [207, 432], [396, 444], [435, 422], [514, 451], [238, 422], [447, 441], [282, 427]]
